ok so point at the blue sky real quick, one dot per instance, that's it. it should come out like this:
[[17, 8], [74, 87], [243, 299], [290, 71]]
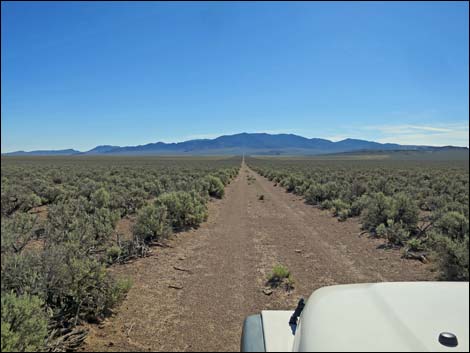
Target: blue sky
[[80, 74]]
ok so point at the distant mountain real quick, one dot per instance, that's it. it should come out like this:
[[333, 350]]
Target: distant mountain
[[67, 152], [101, 149], [248, 143]]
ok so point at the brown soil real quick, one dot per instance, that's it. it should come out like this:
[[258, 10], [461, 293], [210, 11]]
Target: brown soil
[[222, 268], [40, 212]]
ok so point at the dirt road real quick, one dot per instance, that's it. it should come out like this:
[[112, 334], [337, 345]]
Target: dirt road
[[220, 270]]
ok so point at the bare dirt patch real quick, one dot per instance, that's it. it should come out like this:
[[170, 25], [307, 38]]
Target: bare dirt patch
[[41, 212]]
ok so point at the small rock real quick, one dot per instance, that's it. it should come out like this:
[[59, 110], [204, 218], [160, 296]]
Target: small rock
[[110, 344], [298, 251], [175, 286], [267, 291]]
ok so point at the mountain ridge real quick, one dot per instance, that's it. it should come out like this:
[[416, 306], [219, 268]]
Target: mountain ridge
[[247, 143]]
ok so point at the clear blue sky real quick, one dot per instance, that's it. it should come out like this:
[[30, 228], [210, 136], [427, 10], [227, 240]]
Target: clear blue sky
[[78, 74]]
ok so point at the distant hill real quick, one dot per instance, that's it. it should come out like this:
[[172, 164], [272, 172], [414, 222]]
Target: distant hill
[[67, 152], [248, 143]]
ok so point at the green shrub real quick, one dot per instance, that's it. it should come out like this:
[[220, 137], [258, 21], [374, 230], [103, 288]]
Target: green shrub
[[377, 211], [316, 193], [66, 270], [100, 198], [22, 273], [313, 194], [77, 287], [453, 257], [118, 291], [24, 323], [415, 244], [404, 210], [152, 223], [112, 254], [453, 224], [185, 209], [326, 205], [280, 275], [343, 215], [291, 182], [339, 206], [358, 188], [397, 233], [279, 272], [17, 231], [381, 231], [215, 187], [358, 205]]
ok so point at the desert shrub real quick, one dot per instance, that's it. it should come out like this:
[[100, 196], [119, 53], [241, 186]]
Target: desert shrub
[[343, 215], [415, 244], [24, 323], [152, 223], [291, 182], [104, 221], [316, 193], [22, 274], [51, 194], [358, 188], [112, 254], [358, 205], [453, 257], [154, 188], [404, 211], [66, 271], [78, 218], [388, 195], [117, 292], [280, 272], [29, 201], [185, 209], [100, 198], [381, 230], [326, 205], [280, 275], [382, 185], [76, 287], [17, 231], [301, 188], [397, 233], [377, 211], [453, 224], [16, 198], [339, 206], [215, 186], [88, 187]]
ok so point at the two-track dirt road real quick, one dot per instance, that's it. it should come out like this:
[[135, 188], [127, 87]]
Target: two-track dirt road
[[221, 269]]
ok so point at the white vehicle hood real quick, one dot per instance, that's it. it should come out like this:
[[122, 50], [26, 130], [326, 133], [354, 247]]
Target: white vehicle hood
[[385, 317]]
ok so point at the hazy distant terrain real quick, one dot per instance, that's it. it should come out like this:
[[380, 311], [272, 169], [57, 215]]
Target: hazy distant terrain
[[247, 143]]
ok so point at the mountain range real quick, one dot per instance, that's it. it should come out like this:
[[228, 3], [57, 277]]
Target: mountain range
[[243, 143]]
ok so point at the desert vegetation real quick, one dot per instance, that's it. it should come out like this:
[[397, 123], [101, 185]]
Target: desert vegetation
[[280, 277], [58, 234], [419, 206]]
